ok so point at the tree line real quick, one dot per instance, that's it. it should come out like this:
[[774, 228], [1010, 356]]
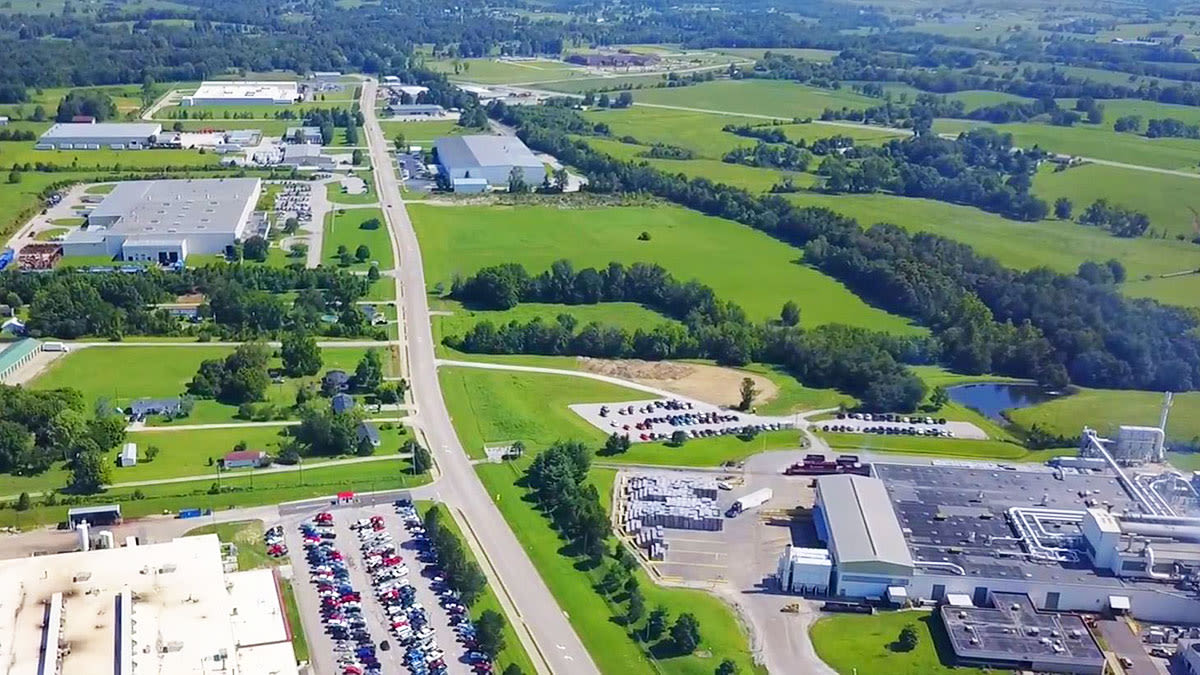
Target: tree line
[[861, 362], [1037, 323]]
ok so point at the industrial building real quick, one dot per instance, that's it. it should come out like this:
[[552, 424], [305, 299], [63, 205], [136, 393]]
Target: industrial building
[[1014, 635], [14, 355], [306, 156], [303, 135], [165, 221], [244, 93], [103, 514], [242, 459], [416, 110], [804, 570], [158, 608], [491, 158], [100, 135]]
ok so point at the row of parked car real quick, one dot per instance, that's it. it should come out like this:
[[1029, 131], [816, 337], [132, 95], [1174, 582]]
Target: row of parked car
[[890, 417], [408, 620], [889, 431], [274, 541], [341, 603], [655, 406], [448, 598]]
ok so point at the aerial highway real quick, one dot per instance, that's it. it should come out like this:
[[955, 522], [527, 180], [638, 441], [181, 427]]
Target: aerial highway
[[459, 486]]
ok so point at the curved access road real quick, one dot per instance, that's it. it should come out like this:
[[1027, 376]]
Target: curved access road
[[557, 647]]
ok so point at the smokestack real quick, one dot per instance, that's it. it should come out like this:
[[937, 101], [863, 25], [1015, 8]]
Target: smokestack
[[1168, 397]]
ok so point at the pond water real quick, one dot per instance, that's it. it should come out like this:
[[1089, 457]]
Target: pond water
[[992, 398]]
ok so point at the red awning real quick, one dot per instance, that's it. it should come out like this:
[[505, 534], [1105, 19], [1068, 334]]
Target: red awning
[[345, 495]]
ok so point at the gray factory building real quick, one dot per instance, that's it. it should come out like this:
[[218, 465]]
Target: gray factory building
[[101, 135], [164, 221], [854, 516], [491, 158]]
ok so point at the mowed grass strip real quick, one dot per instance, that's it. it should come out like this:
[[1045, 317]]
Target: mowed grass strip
[[856, 643], [23, 152], [740, 264], [344, 227], [751, 178], [595, 619]]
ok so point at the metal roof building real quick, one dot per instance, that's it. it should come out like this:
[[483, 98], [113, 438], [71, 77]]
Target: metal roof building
[[244, 93], [114, 135], [16, 354], [854, 515], [166, 220], [489, 157]]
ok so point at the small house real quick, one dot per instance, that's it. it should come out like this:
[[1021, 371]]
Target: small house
[[342, 403], [244, 458], [335, 381], [144, 407], [128, 456], [368, 432]]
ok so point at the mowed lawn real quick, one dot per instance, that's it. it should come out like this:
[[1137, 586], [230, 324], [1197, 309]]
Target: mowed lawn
[[1058, 244], [595, 617], [22, 152], [124, 374], [751, 178], [495, 71], [778, 98], [344, 227], [1092, 140], [627, 315], [423, 133], [495, 407], [699, 132], [741, 264], [1106, 409], [856, 643]]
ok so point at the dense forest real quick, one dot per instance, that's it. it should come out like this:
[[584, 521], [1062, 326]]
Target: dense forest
[[987, 318]]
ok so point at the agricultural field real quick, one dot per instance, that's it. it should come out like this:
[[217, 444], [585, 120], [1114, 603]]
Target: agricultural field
[[699, 132], [423, 133], [1059, 245], [455, 319], [127, 97], [344, 227], [853, 643], [1099, 141], [496, 71], [1167, 199], [751, 178], [756, 97], [219, 113], [118, 374], [819, 55], [756, 271], [1106, 409]]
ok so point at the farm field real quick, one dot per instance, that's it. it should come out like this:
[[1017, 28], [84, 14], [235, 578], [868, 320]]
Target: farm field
[[627, 315], [494, 407], [818, 55], [573, 584], [852, 643], [1147, 110], [117, 373], [755, 271], [699, 132], [633, 82], [1099, 141], [751, 178], [1059, 245], [495, 71], [756, 97], [344, 227], [1165, 198]]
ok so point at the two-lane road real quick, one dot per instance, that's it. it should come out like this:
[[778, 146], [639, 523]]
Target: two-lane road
[[459, 486]]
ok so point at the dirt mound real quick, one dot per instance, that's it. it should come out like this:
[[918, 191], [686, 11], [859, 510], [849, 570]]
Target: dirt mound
[[712, 384]]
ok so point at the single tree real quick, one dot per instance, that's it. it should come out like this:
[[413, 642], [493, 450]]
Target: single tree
[[1062, 208], [939, 397], [489, 632], [362, 253], [616, 444], [256, 248], [401, 143], [152, 452], [513, 669], [907, 641], [657, 623], [373, 273], [516, 180], [790, 314], [368, 375], [748, 392], [89, 473], [678, 438], [685, 633], [23, 502], [300, 354], [356, 157], [637, 607], [727, 667]]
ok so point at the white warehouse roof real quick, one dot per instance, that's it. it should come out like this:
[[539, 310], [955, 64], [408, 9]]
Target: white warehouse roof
[[480, 151], [69, 131], [862, 524]]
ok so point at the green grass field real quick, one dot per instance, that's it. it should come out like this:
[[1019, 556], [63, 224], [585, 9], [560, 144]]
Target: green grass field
[[1165, 198], [117, 373], [20, 152], [754, 270], [299, 641], [423, 133], [1106, 409], [628, 315], [1086, 140], [513, 652], [1059, 245], [757, 97], [699, 132], [344, 228], [855, 643], [594, 617], [935, 447], [819, 55], [267, 112], [247, 535], [495, 71], [751, 178], [336, 194]]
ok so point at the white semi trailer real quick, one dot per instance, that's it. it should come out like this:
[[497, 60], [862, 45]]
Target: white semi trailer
[[749, 501]]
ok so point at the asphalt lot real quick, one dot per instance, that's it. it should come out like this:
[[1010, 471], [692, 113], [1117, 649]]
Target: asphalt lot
[[321, 646]]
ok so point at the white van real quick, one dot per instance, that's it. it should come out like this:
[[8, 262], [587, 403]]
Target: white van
[[55, 347]]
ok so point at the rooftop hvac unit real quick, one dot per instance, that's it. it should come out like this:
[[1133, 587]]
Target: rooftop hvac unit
[[173, 646]]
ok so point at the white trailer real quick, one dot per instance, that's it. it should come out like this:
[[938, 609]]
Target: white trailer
[[750, 501]]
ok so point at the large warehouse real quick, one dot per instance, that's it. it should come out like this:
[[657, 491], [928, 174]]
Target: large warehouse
[[491, 158], [100, 135], [156, 608], [244, 93], [164, 221], [1076, 539]]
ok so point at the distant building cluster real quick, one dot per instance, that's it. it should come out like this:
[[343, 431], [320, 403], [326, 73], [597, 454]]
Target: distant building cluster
[[613, 59]]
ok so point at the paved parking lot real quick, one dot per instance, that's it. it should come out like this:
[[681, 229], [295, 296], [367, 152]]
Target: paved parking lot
[[950, 428], [321, 645], [657, 419]]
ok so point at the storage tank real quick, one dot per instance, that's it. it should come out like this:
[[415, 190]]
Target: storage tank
[[106, 539], [85, 540]]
